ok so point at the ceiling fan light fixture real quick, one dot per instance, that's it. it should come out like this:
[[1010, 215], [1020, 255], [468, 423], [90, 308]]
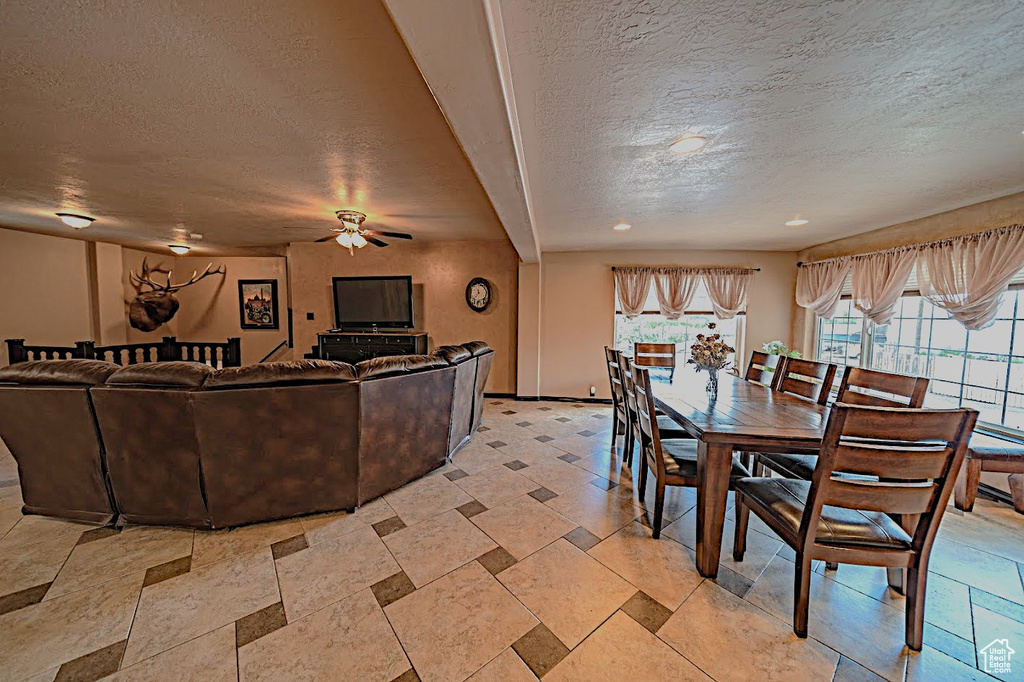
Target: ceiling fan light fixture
[[688, 144], [358, 240], [345, 239], [74, 220], [351, 219], [179, 249]]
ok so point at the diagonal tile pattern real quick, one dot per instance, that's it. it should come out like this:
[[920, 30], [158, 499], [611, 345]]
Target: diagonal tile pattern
[[511, 563]]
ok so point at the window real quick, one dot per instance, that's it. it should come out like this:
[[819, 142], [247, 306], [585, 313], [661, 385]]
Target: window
[[980, 369], [839, 339], [653, 327]]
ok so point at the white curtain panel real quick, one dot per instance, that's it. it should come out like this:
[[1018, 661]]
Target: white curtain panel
[[878, 281], [819, 286], [632, 286], [967, 276], [727, 289], [675, 288]]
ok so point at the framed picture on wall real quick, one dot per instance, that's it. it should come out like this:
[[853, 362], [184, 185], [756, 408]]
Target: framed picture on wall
[[257, 303]]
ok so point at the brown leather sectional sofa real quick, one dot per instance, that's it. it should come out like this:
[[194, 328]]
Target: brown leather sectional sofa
[[180, 443]]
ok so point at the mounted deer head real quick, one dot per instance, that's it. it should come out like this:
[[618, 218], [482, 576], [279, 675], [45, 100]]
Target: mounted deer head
[[155, 303]]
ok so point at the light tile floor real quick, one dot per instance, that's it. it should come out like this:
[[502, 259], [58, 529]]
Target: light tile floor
[[528, 556]]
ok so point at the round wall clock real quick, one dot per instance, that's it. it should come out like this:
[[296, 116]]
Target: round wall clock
[[478, 294]]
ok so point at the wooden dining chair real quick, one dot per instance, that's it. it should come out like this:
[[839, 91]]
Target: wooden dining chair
[[859, 387], [672, 462], [805, 378], [667, 428], [656, 355], [874, 462], [620, 417], [762, 368]]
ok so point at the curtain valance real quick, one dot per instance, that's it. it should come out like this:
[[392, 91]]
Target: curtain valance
[[965, 276], [675, 287]]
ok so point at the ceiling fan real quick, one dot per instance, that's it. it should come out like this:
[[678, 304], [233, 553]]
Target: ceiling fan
[[352, 235]]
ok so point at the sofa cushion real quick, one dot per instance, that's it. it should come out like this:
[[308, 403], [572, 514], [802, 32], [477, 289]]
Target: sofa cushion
[[176, 374], [453, 354], [390, 365], [275, 373], [51, 372], [477, 347]]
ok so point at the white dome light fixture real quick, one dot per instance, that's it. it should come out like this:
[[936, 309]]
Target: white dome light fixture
[[621, 227], [179, 249], [688, 144], [796, 222], [74, 220]]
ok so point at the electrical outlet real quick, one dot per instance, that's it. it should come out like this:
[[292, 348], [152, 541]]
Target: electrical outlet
[[309, 316], [593, 391]]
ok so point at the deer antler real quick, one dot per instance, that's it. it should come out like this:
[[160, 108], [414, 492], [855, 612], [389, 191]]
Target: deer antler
[[146, 280], [138, 281], [171, 288]]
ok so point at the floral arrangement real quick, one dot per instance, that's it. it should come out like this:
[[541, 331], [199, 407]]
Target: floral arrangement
[[780, 348], [710, 351]]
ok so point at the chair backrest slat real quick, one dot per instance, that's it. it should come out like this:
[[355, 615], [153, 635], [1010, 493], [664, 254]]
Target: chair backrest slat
[[806, 378], [870, 459], [870, 387], [893, 498], [762, 368], [655, 354]]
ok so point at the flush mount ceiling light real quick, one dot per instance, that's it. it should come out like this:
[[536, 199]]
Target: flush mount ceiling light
[[75, 221], [621, 227], [179, 249], [797, 222], [688, 144]]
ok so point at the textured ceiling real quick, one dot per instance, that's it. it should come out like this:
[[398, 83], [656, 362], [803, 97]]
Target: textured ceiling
[[230, 118], [852, 114]]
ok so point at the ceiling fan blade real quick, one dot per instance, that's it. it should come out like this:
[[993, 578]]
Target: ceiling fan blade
[[393, 235], [376, 242], [325, 239]]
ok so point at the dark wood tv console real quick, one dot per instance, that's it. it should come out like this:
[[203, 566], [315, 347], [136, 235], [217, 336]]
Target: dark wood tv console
[[355, 346]]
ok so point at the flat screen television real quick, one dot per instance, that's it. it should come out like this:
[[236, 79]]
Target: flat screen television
[[366, 302]]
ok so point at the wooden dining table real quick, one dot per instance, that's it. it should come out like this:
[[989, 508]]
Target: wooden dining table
[[745, 417]]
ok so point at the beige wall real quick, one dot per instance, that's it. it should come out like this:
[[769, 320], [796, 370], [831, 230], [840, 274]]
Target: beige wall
[[209, 309], [577, 304], [44, 289], [528, 361], [440, 272], [1008, 210], [111, 324]]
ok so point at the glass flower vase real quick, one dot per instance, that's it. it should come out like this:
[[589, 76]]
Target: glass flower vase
[[712, 385]]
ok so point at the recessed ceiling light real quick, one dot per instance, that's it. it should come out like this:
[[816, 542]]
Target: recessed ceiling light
[[688, 144], [621, 227], [75, 221], [179, 249], [796, 223]]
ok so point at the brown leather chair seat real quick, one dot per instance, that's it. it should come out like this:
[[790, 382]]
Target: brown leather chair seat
[[789, 464], [681, 459], [784, 498]]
